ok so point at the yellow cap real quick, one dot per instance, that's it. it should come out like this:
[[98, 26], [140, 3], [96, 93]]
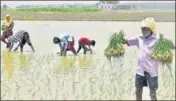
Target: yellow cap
[[8, 19], [149, 23]]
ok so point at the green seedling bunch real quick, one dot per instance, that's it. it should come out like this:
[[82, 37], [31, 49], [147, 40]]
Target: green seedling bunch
[[4, 28], [115, 47], [162, 51]]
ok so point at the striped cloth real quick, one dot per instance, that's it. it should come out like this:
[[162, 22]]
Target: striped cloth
[[18, 37]]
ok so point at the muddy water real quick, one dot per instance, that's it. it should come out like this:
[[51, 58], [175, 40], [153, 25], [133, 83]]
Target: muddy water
[[44, 75]]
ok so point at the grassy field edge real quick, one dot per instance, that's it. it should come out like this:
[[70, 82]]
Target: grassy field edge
[[165, 16]]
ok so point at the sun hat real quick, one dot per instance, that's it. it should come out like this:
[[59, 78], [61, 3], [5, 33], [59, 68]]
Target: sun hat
[[8, 19], [149, 23]]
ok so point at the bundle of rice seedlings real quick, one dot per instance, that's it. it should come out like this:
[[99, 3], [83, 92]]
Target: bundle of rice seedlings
[[4, 28], [115, 47], [162, 51]]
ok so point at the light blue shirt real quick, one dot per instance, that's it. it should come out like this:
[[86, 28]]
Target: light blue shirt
[[64, 38]]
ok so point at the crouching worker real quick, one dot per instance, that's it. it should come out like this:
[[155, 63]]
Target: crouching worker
[[66, 43], [83, 42], [7, 29], [22, 37]]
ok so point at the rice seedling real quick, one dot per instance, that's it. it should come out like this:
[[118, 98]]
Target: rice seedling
[[162, 51], [48, 58], [115, 48], [85, 61], [66, 64], [166, 91], [4, 28], [22, 60], [72, 61]]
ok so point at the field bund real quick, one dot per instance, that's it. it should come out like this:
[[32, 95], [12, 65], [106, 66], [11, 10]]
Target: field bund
[[89, 15]]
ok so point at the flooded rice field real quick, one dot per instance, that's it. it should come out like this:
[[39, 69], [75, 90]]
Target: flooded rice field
[[44, 75]]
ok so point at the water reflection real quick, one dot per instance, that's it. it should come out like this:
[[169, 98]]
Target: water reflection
[[8, 60], [13, 60], [69, 63], [22, 60], [66, 63], [85, 61]]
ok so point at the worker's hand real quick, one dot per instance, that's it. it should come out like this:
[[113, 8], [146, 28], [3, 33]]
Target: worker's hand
[[124, 41], [15, 49], [90, 51]]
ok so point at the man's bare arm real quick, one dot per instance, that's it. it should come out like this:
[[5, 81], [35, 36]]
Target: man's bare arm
[[90, 49]]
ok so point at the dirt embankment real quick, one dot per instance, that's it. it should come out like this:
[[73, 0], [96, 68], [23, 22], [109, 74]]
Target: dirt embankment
[[93, 16]]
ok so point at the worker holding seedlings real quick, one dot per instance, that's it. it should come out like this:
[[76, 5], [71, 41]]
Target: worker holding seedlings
[[7, 29], [22, 37], [115, 47], [147, 68], [83, 41], [66, 43]]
